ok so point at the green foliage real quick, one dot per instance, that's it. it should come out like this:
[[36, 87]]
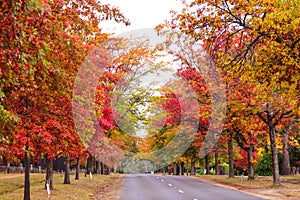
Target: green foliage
[[264, 166], [225, 168], [200, 171], [7, 120]]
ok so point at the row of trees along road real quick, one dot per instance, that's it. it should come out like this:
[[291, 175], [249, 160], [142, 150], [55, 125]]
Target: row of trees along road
[[254, 44], [43, 43]]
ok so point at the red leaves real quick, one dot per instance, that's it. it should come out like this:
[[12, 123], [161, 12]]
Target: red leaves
[[35, 138], [52, 39], [173, 109], [27, 66], [242, 162]]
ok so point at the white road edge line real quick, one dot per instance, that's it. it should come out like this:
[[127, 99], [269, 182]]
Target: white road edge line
[[180, 191]]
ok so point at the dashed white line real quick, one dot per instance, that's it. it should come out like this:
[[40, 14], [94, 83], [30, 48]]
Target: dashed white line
[[162, 180], [180, 191], [170, 185]]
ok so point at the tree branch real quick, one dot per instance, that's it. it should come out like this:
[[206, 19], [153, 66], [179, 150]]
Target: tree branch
[[262, 118]]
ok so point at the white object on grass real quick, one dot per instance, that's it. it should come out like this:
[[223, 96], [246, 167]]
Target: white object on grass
[[91, 176], [48, 189]]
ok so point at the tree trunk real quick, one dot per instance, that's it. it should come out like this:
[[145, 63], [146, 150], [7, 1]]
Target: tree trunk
[[67, 171], [193, 170], [250, 164], [98, 167], [217, 161], [49, 173], [207, 163], [230, 156], [272, 135], [176, 169], [77, 168], [276, 177], [27, 177], [286, 167], [8, 168], [182, 168], [187, 167], [102, 167], [89, 165]]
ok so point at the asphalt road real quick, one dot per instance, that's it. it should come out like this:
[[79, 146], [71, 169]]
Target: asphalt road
[[153, 187]]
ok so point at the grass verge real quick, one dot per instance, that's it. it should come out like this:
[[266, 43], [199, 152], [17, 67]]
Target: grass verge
[[263, 185], [100, 187]]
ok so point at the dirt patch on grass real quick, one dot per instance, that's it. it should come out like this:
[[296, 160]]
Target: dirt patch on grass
[[110, 190], [10, 176]]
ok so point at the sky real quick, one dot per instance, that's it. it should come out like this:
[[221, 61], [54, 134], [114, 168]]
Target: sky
[[141, 13]]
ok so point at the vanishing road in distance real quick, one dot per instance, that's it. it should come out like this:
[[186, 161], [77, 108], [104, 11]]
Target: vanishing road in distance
[[153, 187]]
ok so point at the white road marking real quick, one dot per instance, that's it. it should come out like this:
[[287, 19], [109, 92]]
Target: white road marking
[[195, 199], [170, 185], [162, 180], [180, 191]]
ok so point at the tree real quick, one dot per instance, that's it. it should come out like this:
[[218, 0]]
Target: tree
[[247, 135]]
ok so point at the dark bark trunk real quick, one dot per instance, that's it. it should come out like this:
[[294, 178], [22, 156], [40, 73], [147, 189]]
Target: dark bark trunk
[[98, 167], [276, 177], [187, 168], [250, 164], [27, 177], [182, 168], [89, 165], [77, 168], [49, 173], [102, 167], [286, 167], [217, 161], [207, 164], [272, 135], [67, 179], [230, 156], [193, 170], [176, 169], [165, 169], [8, 167]]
